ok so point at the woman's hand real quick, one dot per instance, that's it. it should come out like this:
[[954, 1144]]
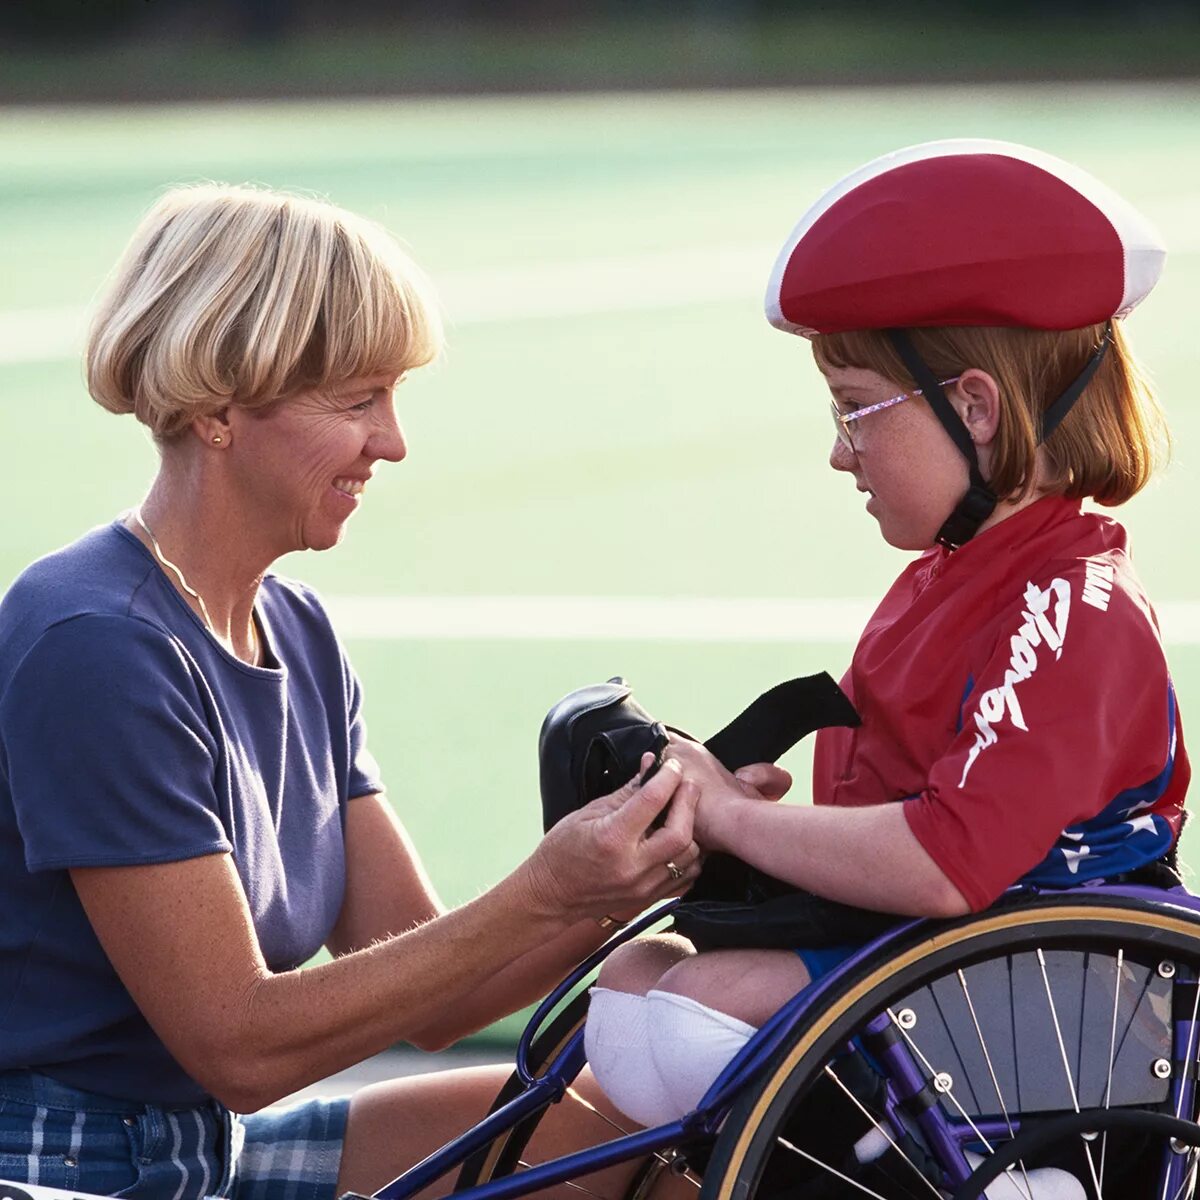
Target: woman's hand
[[608, 856], [720, 791]]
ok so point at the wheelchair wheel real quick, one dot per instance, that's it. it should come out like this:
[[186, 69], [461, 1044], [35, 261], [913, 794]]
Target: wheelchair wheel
[[1052, 1035], [502, 1156]]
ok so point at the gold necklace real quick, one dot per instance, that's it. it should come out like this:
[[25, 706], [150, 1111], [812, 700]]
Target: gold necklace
[[255, 651]]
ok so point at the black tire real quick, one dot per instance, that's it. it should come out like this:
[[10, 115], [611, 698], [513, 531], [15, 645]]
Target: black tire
[[1121, 943], [502, 1156]]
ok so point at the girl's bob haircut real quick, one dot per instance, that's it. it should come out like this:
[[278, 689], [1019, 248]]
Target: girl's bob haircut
[[244, 296], [1108, 445]]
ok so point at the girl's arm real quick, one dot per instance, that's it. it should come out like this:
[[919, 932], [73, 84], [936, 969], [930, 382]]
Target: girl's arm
[[863, 856]]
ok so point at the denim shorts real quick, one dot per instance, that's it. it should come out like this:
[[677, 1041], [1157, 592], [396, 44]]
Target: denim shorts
[[61, 1137]]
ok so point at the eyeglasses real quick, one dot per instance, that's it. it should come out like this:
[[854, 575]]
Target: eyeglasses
[[843, 422]]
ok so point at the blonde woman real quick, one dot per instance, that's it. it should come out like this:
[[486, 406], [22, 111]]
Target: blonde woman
[[1019, 725], [188, 808]]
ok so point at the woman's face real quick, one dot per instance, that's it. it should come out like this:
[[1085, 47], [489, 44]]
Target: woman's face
[[903, 460], [302, 465]]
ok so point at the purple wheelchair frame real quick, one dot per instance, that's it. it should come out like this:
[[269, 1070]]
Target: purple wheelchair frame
[[947, 1137]]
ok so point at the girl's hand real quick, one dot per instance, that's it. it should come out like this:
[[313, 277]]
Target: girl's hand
[[608, 857], [764, 781], [719, 790]]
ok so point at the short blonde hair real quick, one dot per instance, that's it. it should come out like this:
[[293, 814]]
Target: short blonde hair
[[240, 295], [1108, 445]]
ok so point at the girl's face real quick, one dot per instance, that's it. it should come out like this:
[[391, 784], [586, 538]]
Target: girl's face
[[901, 458]]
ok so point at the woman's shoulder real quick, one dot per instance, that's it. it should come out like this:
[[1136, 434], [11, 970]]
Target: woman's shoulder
[[291, 600], [72, 617], [100, 573]]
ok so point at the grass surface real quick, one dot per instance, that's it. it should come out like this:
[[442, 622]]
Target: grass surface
[[673, 449]]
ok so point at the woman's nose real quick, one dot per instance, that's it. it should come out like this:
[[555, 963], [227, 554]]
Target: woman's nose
[[387, 440]]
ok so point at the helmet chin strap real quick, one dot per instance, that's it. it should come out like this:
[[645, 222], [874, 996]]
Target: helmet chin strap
[[980, 501]]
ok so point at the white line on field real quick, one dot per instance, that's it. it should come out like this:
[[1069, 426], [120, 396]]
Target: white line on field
[[530, 291], [633, 618]]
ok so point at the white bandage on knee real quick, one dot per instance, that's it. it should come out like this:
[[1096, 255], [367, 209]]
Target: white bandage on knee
[[617, 1040], [690, 1044]]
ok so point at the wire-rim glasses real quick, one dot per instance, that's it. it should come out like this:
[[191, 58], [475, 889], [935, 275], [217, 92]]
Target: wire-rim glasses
[[843, 422]]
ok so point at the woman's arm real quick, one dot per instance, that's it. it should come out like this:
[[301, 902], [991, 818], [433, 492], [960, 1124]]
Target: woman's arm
[[181, 938], [388, 892], [863, 856]]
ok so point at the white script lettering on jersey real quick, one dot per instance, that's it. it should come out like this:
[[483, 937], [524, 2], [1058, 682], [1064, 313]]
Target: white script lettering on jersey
[[1037, 629], [1098, 584]]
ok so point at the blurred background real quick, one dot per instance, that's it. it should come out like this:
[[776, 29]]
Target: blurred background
[[618, 467]]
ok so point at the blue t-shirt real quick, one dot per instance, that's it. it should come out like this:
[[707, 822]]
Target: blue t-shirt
[[129, 735]]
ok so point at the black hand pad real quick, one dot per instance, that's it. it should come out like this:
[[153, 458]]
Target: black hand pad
[[593, 739], [592, 742]]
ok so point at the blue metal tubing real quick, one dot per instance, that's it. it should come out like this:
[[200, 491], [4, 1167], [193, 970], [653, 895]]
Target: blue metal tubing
[[583, 1162], [584, 969], [995, 1129], [452, 1154]]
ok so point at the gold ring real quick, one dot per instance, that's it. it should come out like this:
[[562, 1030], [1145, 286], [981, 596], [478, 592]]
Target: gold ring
[[676, 872]]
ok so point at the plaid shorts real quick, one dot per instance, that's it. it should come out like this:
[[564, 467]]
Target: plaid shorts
[[61, 1137]]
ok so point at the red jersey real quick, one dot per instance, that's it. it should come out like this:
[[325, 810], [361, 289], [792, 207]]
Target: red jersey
[[1015, 696]]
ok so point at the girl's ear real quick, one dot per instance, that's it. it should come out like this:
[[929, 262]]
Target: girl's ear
[[976, 399]]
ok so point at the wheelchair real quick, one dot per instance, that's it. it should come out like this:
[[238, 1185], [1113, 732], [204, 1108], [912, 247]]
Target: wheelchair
[[944, 1059]]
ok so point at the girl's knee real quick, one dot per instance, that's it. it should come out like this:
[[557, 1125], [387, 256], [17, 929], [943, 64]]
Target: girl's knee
[[747, 984], [638, 966]]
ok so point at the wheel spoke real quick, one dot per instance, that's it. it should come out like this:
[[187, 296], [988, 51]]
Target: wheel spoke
[[987, 1058], [1186, 1188], [570, 1183], [866, 1191], [874, 1121], [1112, 1054], [949, 1094], [662, 1158], [1062, 1047], [1187, 1057]]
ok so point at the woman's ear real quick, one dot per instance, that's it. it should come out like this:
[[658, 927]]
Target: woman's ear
[[213, 429], [976, 399]]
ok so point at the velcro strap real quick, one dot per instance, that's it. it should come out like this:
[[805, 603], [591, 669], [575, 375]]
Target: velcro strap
[[971, 511]]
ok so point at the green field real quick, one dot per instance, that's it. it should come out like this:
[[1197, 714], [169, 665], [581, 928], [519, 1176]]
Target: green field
[[613, 416]]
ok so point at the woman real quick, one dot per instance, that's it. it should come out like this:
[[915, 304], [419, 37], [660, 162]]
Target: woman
[[1018, 720], [188, 808]]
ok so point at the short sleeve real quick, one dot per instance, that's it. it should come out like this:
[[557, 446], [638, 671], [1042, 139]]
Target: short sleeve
[[110, 753], [364, 775], [1072, 709]]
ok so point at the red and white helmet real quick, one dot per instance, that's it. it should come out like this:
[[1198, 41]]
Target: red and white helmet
[[964, 232]]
